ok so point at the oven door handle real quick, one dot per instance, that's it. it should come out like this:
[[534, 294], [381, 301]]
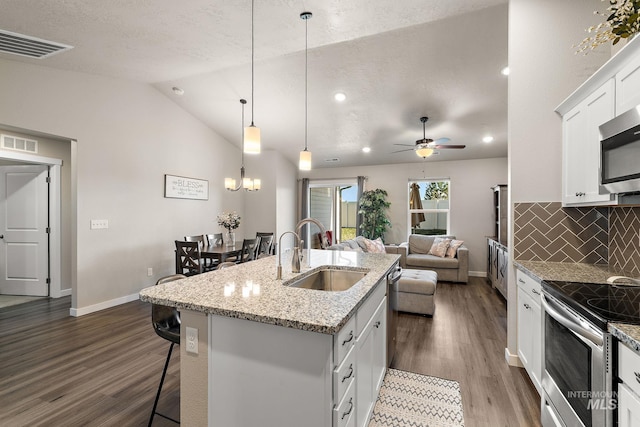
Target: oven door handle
[[564, 321]]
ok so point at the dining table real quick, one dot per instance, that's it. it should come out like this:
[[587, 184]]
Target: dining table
[[221, 252]]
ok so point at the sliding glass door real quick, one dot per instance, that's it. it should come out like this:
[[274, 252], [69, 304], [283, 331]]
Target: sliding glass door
[[334, 204]]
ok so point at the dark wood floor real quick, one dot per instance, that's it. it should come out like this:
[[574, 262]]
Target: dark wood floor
[[103, 369], [465, 341]]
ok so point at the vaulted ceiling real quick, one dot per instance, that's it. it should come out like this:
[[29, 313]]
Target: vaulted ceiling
[[395, 60]]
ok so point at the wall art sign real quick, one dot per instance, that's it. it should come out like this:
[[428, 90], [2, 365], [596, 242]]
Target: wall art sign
[[180, 187]]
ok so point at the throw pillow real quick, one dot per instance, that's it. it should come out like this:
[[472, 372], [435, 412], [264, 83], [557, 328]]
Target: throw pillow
[[374, 246], [452, 250], [439, 247]]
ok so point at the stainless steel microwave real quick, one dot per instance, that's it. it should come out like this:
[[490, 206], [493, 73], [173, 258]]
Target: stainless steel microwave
[[620, 153]]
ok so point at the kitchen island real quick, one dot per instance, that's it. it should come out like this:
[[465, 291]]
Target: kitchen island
[[270, 354]]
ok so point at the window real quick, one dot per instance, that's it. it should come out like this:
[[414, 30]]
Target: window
[[429, 206]]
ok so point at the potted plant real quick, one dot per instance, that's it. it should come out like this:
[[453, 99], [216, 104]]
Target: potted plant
[[373, 206], [622, 22]]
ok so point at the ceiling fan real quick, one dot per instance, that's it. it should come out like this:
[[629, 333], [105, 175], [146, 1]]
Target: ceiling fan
[[425, 147]]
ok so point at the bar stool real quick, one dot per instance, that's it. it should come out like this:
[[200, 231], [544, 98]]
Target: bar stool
[[166, 323]]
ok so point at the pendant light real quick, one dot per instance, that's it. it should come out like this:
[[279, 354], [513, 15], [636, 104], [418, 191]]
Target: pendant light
[[252, 133], [305, 155], [246, 183]]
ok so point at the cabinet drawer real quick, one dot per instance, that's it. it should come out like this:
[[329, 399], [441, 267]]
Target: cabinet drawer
[[343, 341], [344, 375], [344, 413], [528, 285], [629, 368], [369, 307]]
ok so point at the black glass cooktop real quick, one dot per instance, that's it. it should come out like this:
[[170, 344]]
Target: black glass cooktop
[[598, 302]]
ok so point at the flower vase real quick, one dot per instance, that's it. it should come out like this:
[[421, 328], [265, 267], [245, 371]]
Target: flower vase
[[230, 238]]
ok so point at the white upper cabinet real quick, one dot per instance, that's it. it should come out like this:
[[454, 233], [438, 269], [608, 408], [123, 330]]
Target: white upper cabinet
[[609, 92], [581, 147], [628, 86]]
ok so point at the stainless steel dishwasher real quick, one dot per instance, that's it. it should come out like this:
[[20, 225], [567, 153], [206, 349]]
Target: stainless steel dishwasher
[[392, 312]]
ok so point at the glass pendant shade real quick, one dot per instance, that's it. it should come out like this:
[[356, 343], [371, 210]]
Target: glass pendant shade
[[424, 152], [229, 183], [252, 140], [305, 160], [257, 184]]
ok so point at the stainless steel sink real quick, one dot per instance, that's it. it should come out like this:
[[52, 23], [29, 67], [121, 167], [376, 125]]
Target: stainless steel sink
[[329, 279]]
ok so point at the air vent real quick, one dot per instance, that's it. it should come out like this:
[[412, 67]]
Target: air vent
[[333, 160], [19, 144], [31, 47]]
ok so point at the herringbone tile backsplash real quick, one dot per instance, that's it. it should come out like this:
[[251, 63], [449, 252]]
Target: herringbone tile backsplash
[[624, 242], [549, 232]]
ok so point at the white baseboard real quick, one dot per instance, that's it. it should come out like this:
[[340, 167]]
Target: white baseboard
[[77, 312], [512, 359], [478, 274]]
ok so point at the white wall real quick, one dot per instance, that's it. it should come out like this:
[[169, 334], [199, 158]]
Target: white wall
[[471, 196], [544, 71], [129, 135]]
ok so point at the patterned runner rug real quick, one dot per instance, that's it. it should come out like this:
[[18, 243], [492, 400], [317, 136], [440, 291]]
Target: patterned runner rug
[[408, 399]]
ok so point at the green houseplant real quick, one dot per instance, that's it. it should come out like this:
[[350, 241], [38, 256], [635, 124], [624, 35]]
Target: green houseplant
[[622, 22], [373, 206]]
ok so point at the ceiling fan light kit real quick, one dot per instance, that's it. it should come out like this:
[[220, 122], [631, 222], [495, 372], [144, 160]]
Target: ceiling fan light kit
[[426, 147]]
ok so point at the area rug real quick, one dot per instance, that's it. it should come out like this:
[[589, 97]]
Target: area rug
[[408, 399]]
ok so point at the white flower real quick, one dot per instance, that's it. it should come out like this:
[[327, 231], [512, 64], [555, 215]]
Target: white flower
[[229, 220]]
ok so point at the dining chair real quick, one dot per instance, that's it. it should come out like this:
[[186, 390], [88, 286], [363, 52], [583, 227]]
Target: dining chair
[[271, 248], [214, 239], [264, 245], [188, 258], [209, 261], [248, 252], [166, 324], [225, 264]]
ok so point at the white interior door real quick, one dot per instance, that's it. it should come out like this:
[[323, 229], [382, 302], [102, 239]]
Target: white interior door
[[24, 252]]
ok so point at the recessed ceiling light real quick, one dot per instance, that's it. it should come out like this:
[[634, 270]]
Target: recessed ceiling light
[[487, 138], [178, 91], [340, 97], [505, 71], [366, 149]]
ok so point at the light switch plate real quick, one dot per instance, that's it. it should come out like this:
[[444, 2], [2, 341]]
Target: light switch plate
[[98, 224]]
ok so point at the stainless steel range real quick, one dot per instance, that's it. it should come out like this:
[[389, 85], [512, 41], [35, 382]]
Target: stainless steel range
[[577, 359]]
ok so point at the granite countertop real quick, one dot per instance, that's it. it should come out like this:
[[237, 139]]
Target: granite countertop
[[250, 291], [577, 272]]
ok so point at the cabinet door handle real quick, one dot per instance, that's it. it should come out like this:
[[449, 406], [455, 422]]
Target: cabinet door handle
[[344, 414], [535, 292], [637, 376], [346, 377], [350, 338], [521, 281], [377, 324], [527, 306]]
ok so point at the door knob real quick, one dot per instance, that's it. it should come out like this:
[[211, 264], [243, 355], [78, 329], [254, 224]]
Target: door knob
[[1, 236]]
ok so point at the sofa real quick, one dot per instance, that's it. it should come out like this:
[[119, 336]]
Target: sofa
[[358, 244], [416, 256]]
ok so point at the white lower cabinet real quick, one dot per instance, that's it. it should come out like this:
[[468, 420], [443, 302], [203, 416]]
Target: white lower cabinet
[[371, 351], [629, 387], [530, 327]]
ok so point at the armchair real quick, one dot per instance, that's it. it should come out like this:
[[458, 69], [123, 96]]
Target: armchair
[[417, 256]]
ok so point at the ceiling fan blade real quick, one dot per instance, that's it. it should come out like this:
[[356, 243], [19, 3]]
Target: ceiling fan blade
[[406, 145], [448, 146], [441, 140], [400, 151]]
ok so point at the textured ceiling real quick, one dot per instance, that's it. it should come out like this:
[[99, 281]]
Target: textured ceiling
[[395, 60]]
